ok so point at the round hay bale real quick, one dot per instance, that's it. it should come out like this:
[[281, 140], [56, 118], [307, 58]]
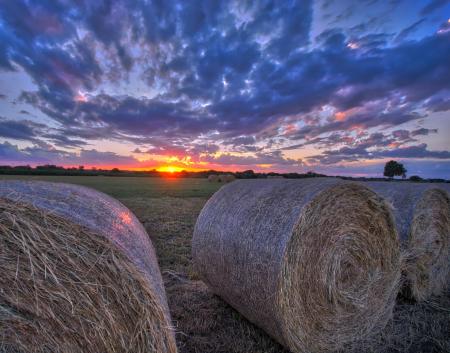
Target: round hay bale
[[213, 178], [226, 178], [79, 274], [422, 217], [230, 178], [315, 263]]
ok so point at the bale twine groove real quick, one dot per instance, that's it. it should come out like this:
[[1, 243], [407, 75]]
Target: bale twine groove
[[79, 274], [315, 263], [422, 217]]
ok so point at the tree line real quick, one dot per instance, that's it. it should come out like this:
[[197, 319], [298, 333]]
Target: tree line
[[392, 169]]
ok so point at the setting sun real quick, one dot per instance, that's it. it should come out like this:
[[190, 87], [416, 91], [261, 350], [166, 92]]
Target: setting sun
[[169, 169]]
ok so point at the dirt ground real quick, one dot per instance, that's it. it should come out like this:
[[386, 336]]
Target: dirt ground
[[206, 324]]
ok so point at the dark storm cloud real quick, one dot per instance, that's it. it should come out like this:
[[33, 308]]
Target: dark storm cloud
[[235, 71]]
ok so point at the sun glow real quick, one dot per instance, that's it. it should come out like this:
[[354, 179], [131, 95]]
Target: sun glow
[[169, 169]]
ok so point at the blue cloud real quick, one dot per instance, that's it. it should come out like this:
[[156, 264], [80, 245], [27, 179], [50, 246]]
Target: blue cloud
[[232, 74]]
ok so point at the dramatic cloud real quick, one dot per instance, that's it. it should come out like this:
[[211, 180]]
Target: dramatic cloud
[[260, 159], [362, 152], [19, 130], [225, 83], [11, 154]]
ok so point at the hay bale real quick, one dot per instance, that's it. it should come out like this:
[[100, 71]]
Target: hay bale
[[213, 178], [230, 178], [226, 178], [422, 217], [314, 262], [79, 274]]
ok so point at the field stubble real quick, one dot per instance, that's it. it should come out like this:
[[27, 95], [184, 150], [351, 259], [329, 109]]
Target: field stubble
[[168, 210], [206, 324]]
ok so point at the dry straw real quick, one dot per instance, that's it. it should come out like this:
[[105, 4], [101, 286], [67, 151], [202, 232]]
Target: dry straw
[[315, 263], [79, 274], [422, 216]]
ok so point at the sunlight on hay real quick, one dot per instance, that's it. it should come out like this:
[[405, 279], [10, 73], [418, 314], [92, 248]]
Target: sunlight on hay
[[68, 288]]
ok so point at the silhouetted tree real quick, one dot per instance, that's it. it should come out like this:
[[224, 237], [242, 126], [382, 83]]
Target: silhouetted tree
[[248, 174], [393, 168]]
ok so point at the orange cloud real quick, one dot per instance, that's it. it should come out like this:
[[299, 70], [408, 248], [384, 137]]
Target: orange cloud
[[340, 116]]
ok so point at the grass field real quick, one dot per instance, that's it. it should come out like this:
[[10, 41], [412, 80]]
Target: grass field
[[168, 209], [130, 187]]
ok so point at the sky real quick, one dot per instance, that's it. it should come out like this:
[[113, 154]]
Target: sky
[[336, 87]]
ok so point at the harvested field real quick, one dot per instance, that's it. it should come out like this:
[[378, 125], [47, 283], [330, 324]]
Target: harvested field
[[204, 322]]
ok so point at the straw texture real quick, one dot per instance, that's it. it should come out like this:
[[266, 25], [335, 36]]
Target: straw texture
[[422, 217], [315, 263], [79, 273]]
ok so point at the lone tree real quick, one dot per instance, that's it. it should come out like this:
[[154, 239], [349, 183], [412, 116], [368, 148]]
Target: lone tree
[[393, 168]]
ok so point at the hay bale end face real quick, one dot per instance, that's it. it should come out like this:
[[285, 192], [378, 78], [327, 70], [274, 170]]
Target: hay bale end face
[[79, 274], [315, 263], [422, 217]]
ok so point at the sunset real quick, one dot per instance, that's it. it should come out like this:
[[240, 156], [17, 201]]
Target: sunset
[[334, 87], [224, 176]]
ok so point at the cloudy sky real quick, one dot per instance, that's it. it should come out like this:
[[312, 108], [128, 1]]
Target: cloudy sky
[[338, 87]]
